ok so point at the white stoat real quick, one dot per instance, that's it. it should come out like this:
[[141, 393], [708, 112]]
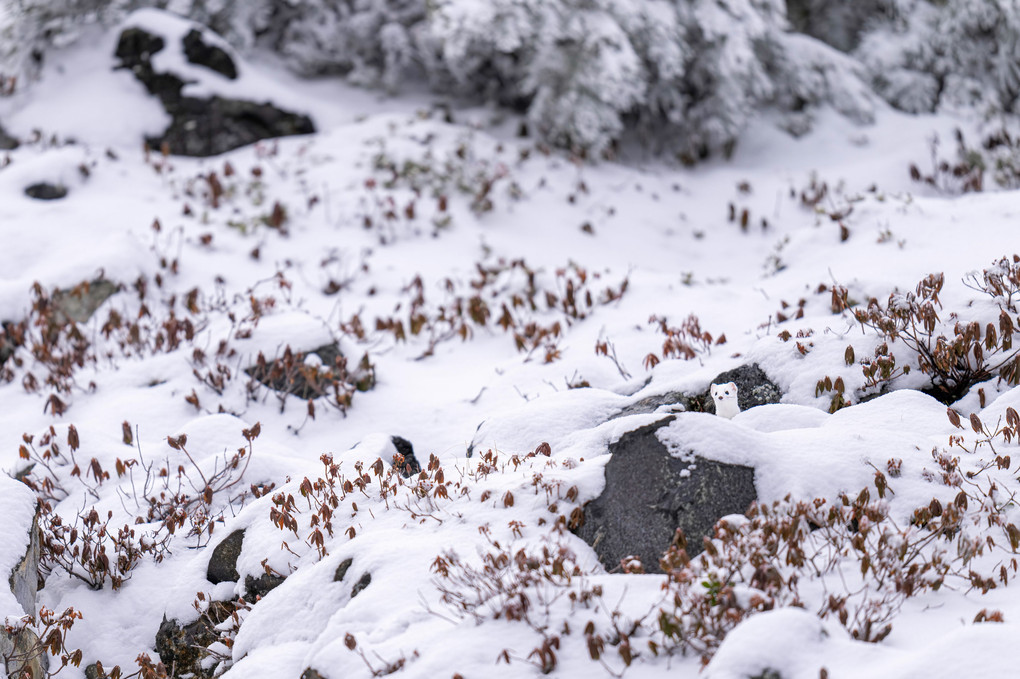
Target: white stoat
[[725, 397]]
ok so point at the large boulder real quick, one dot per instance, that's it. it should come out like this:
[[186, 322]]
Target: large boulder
[[200, 126], [649, 494]]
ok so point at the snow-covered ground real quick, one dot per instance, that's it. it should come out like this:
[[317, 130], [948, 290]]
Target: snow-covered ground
[[395, 217]]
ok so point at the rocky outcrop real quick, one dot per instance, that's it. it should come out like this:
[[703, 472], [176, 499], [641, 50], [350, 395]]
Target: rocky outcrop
[[649, 494], [223, 562], [202, 126]]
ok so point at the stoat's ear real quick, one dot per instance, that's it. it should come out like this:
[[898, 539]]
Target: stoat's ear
[[734, 386], [715, 389]]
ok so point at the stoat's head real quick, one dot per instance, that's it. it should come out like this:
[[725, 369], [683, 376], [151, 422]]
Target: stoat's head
[[724, 392]]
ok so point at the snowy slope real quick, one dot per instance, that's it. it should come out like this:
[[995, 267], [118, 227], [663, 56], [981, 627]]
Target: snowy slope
[[390, 212]]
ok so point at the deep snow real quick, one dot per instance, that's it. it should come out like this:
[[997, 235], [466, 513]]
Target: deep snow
[[663, 229]]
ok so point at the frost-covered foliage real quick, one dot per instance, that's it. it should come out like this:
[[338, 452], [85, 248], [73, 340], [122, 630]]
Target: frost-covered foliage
[[686, 75], [957, 53], [29, 27], [367, 39]]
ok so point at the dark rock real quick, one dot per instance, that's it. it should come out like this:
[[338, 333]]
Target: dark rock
[[7, 142], [208, 127], [203, 127], [201, 53], [309, 673], [46, 191], [405, 449], [181, 648], [136, 47], [361, 584], [223, 562], [341, 570], [262, 585], [649, 494], [92, 672]]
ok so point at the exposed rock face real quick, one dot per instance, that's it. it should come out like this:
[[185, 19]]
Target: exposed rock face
[[46, 191], [202, 126], [223, 562], [23, 647], [24, 579], [649, 494]]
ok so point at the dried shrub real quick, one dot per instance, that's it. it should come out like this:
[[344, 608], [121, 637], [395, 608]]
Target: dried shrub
[[684, 342], [35, 638], [510, 296], [998, 155], [159, 500], [954, 357], [319, 373]]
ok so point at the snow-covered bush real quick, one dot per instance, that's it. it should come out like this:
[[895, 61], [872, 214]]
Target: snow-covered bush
[[956, 351], [956, 53], [687, 76], [30, 27]]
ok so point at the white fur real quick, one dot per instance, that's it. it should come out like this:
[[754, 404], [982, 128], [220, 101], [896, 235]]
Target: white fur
[[725, 397]]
